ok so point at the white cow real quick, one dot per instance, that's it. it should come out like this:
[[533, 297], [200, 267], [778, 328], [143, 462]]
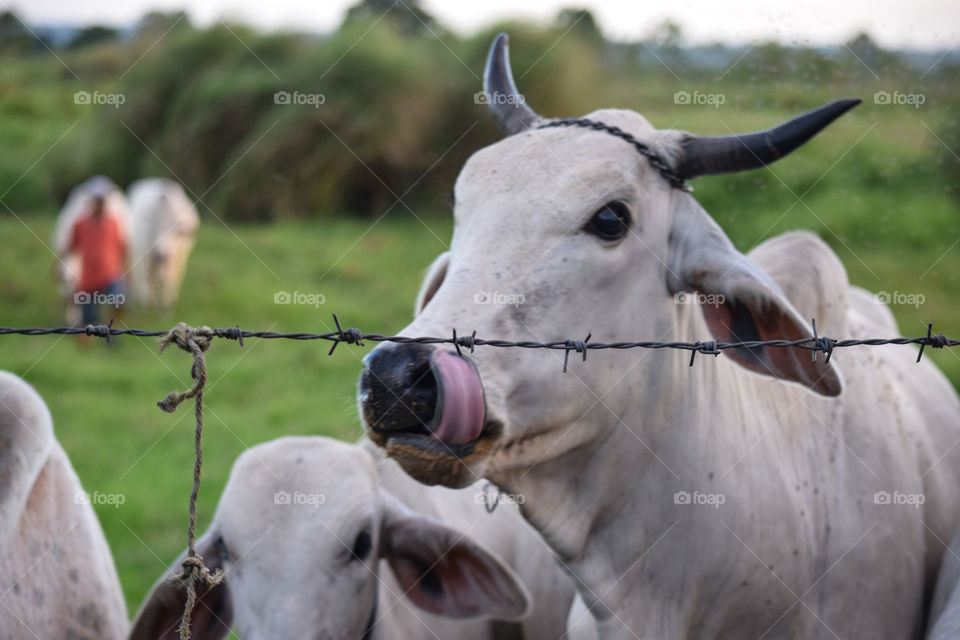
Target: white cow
[[944, 618], [77, 205], [164, 224], [759, 494], [57, 577], [319, 539]]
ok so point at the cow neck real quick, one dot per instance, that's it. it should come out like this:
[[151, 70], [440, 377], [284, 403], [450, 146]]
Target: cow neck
[[598, 500]]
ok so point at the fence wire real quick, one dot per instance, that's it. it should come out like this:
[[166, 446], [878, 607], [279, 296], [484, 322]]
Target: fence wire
[[815, 344]]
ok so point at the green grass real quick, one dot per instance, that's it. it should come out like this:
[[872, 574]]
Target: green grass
[[103, 400]]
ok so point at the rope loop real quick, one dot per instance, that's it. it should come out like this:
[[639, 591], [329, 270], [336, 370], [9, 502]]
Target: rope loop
[[194, 341], [194, 573], [656, 161]]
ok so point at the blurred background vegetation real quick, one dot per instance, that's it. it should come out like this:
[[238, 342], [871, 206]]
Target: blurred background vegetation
[[303, 197], [398, 94]]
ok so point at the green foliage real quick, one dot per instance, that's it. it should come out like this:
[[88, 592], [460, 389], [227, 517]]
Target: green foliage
[[14, 35], [378, 110], [408, 17], [93, 35]]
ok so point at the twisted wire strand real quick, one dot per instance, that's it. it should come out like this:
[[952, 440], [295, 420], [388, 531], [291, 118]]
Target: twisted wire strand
[[814, 343]]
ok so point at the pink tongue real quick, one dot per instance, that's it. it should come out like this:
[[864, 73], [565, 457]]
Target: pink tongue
[[460, 402]]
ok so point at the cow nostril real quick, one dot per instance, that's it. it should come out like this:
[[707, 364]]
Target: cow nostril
[[398, 391]]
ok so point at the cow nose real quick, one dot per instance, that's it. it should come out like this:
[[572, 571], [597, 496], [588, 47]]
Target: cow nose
[[398, 391]]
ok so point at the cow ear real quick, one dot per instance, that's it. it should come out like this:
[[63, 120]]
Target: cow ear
[[742, 303], [160, 614], [436, 272], [443, 572]]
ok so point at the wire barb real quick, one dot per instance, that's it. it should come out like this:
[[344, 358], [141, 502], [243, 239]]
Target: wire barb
[[350, 336], [230, 333], [937, 341], [822, 343], [100, 330], [464, 341], [709, 348], [580, 346]]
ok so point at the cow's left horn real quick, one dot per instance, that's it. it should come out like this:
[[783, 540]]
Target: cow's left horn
[[726, 154], [508, 108]]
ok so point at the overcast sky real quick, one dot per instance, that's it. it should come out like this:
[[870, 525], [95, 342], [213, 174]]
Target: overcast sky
[[927, 24]]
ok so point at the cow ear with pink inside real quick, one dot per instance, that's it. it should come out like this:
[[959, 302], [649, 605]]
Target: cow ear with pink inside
[[446, 573], [744, 304]]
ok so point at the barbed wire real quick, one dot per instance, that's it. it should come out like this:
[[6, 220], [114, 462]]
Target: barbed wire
[[815, 344]]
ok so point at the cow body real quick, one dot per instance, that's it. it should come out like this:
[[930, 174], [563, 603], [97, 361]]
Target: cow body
[[57, 577], [944, 618], [291, 515], [799, 475], [164, 224], [758, 494]]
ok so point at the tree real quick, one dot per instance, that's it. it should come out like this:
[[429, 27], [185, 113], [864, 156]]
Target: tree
[[95, 34], [159, 22], [667, 35], [407, 15], [870, 54], [579, 21], [14, 35]]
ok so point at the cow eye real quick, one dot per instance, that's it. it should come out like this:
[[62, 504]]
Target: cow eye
[[361, 546], [611, 222]]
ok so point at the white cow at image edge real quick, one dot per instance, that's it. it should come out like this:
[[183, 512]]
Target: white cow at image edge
[[323, 540], [163, 229], [761, 493], [57, 577], [944, 618], [77, 205]]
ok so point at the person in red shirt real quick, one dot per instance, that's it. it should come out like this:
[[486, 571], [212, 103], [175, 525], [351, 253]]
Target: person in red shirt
[[99, 241]]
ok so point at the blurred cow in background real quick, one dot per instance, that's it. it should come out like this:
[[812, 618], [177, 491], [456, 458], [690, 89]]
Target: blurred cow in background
[[79, 203], [164, 224]]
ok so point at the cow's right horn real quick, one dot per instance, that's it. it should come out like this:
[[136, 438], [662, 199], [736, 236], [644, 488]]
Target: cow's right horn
[[508, 108], [708, 155]]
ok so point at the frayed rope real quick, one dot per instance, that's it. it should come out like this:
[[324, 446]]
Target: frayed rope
[[195, 341]]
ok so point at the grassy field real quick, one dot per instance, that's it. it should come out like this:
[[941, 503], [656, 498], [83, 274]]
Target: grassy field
[[103, 399]]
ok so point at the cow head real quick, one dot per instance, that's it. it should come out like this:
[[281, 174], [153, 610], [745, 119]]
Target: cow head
[[560, 228], [299, 534]]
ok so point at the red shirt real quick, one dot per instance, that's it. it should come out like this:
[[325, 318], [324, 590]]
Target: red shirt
[[102, 249]]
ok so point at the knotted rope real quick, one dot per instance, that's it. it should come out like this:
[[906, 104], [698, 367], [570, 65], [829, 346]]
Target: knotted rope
[[195, 341]]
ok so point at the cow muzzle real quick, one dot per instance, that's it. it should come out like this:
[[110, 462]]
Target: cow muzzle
[[420, 396]]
